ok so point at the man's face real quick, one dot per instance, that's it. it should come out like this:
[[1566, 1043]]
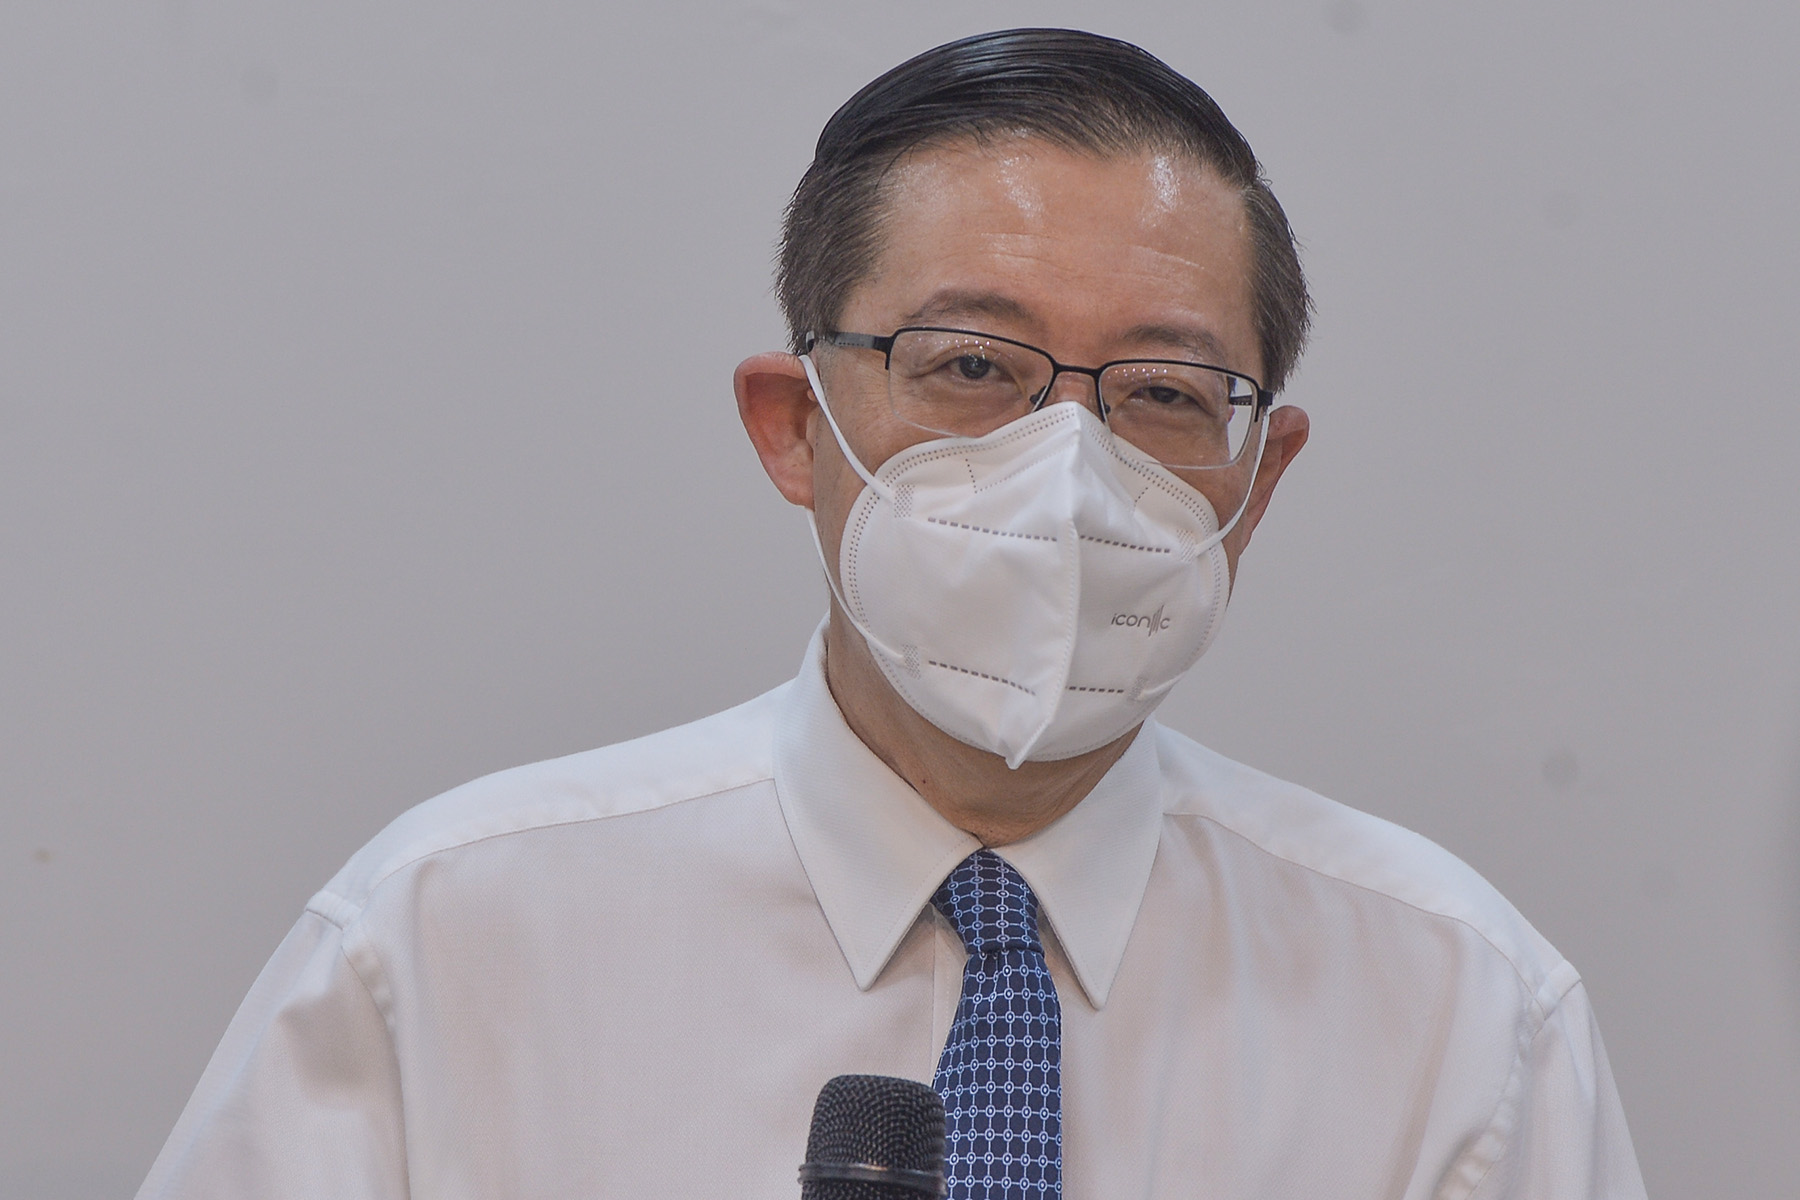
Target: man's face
[[1092, 259]]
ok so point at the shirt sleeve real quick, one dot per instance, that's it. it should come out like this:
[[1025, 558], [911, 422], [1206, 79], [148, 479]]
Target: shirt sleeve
[[1569, 1141], [302, 1097]]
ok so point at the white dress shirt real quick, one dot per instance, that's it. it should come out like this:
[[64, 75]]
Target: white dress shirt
[[626, 973]]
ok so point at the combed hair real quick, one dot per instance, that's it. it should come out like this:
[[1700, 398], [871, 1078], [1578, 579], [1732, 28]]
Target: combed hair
[[1076, 90]]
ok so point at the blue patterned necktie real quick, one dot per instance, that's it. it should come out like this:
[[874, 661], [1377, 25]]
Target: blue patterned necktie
[[1001, 1071]]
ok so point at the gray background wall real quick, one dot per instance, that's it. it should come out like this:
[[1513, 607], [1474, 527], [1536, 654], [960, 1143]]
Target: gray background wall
[[364, 379]]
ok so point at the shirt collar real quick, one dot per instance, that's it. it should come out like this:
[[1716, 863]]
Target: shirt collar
[[875, 851]]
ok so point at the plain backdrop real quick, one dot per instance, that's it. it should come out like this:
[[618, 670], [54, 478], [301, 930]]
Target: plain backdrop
[[366, 426]]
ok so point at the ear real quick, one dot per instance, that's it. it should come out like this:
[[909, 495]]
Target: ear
[[777, 406], [1288, 430]]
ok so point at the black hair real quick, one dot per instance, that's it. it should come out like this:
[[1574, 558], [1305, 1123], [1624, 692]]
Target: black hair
[[1077, 90]]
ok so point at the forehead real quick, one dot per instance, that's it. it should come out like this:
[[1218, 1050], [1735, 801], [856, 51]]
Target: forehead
[[1080, 251]]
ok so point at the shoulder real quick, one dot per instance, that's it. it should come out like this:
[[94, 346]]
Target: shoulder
[[1293, 829], [717, 754]]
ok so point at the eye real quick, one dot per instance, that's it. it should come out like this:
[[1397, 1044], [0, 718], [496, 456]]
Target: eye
[[973, 367], [1166, 396]]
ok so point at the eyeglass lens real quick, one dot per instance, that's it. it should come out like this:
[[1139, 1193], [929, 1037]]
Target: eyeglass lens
[[969, 384]]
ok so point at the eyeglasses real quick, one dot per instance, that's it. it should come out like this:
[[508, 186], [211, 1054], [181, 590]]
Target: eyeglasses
[[962, 383]]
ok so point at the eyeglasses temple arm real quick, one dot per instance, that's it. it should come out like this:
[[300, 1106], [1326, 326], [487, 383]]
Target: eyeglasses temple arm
[[851, 341]]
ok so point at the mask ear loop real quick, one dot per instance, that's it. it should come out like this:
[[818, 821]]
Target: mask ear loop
[[1219, 534], [1262, 440], [812, 523], [875, 485]]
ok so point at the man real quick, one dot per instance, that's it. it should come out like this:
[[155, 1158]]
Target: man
[[1041, 299]]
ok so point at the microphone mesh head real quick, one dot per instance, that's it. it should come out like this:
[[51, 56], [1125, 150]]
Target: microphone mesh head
[[875, 1119]]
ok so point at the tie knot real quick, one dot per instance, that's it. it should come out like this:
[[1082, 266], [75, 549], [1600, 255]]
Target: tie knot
[[990, 906]]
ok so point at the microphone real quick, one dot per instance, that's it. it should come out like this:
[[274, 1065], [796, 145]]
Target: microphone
[[874, 1137]]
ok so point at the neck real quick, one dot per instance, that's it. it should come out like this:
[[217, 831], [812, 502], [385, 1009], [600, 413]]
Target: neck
[[972, 789]]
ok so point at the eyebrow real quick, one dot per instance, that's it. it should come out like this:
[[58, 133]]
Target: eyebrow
[[1193, 339], [958, 302]]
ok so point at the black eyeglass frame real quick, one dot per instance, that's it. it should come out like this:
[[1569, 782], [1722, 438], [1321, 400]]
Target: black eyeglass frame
[[1263, 399]]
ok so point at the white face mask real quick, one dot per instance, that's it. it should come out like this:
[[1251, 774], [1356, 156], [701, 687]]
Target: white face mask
[[1035, 592]]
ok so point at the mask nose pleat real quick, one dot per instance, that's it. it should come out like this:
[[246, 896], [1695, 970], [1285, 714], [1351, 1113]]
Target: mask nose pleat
[[1068, 483]]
